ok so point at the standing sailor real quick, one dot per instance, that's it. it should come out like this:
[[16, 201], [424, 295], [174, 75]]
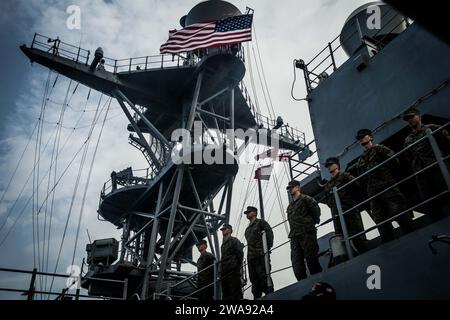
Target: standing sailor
[[205, 272], [232, 257]]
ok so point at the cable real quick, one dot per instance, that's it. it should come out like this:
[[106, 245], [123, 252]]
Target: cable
[[18, 163], [86, 143], [87, 182]]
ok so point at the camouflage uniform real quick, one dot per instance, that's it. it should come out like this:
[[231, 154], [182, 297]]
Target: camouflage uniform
[[390, 202], [205, 277], [430, 182], [255, 255], [350, 196], [303, 236], [232, 257]]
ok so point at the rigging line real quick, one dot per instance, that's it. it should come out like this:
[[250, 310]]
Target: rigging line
[[273, 204], [270, 200], [262, 85], [15, 221], [21, 191], [54, 160], [280, 202], [85, 144], [35, 190], [55, 175], [252, 81], [263, 73], [18, 163], [42, 118], [246, 193], [26, 184], [88, 180]]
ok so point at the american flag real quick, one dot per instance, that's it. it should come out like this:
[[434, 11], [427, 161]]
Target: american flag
[[209, 34]]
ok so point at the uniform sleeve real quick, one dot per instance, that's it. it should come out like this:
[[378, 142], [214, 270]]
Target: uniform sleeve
[[314, 207], [239, 246], [385, 151], [269, 233]]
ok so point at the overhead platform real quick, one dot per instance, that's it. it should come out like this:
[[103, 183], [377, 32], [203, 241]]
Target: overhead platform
[[119, 203]]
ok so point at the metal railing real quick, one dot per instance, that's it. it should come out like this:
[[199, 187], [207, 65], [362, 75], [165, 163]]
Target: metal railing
[[347, 238], [332, 56], [60, 48], [440, 162], [159, 61], [31, 291], [264, 121], [110, 186]]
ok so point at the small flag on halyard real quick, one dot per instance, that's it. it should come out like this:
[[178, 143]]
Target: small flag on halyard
[[221, 32], [263, 173]]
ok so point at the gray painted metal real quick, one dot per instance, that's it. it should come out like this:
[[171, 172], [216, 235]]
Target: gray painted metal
[[409, 270], [356, 27], [409, 67], [211, 10]]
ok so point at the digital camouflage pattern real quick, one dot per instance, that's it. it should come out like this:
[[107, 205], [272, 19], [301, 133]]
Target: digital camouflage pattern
[[232, 258], [255, 255], [300, 215], [205, 277]]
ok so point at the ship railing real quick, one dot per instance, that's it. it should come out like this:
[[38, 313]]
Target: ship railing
[[133, 180], [60, 48], [37, 276], [441, 161], [299, 165], [153, 62], [332, 56], [221, 277], [76, 53], [287, 131]]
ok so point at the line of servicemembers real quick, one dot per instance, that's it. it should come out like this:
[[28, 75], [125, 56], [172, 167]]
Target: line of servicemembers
[[303, 212]]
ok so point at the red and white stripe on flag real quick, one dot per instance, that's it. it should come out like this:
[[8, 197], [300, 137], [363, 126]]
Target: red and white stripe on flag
[[226, 31]]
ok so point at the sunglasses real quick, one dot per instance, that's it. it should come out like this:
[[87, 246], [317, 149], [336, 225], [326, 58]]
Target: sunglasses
[[408, 117], [365, 143]]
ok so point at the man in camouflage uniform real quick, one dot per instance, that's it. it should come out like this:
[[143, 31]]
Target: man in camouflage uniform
[[232, 257], [255, 252], [430, 182], [205, 271], [349, 197], [303, 213], [389, 203]]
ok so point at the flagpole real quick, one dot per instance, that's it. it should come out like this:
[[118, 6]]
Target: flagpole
[[264, 235], [261, 204]]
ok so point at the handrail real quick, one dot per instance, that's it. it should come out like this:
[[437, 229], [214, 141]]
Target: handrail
[[309, 68]]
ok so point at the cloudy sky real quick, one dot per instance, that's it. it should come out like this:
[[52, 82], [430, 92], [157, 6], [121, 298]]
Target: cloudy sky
[[285, 30]]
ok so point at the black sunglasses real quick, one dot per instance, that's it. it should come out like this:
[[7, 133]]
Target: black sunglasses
[[408, 117], [365, 143]]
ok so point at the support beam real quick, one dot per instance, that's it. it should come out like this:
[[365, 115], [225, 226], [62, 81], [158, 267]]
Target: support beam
[[150, 125], [199, 204], [201, 212], [173, 211], [214, 115], [212, 97], [229, 196], [138, 131], [180, 243], [193, 109]]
